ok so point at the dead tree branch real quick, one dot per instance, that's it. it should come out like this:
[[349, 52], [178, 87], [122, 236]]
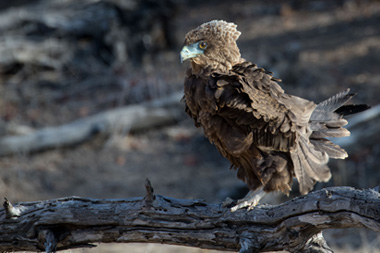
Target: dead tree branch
[[132, 117], [296, 225]]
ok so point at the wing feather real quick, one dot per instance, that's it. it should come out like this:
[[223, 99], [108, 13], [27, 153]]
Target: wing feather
[[278, 121], [248, 96], [246, 110]]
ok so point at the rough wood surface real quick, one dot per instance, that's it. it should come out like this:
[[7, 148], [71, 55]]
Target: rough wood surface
[[132, 117], [296, 225]]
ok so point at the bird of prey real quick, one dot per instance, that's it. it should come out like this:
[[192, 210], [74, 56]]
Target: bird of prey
[[267, 135]]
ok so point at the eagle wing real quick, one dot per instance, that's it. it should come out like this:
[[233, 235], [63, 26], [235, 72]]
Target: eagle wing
[[259, 112], [250, 97]]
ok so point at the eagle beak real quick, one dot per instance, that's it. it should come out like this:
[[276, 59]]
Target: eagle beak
[[190, 51]]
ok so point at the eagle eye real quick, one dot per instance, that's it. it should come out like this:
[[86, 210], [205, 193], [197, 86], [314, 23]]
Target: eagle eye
[[202, 45]]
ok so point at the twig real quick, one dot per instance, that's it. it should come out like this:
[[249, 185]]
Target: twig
[[10, 210]]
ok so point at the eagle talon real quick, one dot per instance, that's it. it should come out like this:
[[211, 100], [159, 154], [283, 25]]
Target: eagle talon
[[250, 206], [250, 200]]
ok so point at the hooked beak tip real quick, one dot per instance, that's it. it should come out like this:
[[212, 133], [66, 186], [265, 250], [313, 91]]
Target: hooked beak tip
[[189, 51]]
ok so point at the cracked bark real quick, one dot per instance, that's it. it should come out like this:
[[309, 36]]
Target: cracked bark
[[295, 226]]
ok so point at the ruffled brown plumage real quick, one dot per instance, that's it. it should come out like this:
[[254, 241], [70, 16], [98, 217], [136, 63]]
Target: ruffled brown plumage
[[267, 135]]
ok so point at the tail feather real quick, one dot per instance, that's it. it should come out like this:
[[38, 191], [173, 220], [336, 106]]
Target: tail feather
[[351, 109], [336, 123], [309, 165], [313, 149], [327, 132], [327, 118], [331, 105], [332, 150]]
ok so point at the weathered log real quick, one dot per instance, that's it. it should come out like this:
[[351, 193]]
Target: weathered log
[[296, 225], [132, 117]]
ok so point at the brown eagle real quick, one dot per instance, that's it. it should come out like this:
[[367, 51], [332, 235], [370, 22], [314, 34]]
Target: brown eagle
[[267, 135]]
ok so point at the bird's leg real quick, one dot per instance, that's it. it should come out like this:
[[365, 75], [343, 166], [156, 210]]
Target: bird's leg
[[250, 200]]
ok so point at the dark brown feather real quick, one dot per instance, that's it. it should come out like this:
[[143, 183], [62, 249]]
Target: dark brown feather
[[267, 135]]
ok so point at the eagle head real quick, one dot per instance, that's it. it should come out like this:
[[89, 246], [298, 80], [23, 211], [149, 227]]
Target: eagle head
[[212, 45]]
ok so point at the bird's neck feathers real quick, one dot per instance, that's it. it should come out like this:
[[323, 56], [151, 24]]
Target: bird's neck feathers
[[221, 62]]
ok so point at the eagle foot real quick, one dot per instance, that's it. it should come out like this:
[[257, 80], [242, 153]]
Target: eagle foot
[[250, 200]]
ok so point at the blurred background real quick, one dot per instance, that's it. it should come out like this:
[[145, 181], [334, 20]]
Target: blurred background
[[66, 60]]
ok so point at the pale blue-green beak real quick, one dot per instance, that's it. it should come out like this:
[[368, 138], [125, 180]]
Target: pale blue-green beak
[[190, 51]]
